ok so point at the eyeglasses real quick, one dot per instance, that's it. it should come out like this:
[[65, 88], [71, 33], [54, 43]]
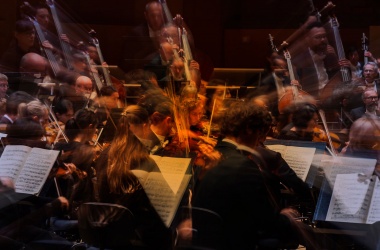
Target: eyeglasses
[[375, 98]]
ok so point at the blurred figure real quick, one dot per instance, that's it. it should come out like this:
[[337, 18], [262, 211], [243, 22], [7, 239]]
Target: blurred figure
[[116, 183], [11, 108], [355, 66], [23, 42], [3, 93]]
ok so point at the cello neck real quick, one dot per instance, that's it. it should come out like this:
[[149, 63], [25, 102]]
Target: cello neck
[[365, 47], [107, 77]]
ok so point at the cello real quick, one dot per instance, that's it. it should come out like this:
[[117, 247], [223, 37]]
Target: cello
[[292, 93]]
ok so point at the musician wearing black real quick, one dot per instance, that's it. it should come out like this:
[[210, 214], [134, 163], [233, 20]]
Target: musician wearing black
[[236, 188], [370, 109], [24, 41]]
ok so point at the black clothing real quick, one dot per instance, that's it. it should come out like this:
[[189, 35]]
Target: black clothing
[[236, 190]]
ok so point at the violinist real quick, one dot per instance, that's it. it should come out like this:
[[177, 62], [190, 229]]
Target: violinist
[[303, 122], [77, 156]]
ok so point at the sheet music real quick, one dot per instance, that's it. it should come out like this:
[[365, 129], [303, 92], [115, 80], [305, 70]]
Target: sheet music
[[374, 208], [298, 158], [35, 171], [160, 193], [173, 169], [348, 165], [12, 160], [350, 199]]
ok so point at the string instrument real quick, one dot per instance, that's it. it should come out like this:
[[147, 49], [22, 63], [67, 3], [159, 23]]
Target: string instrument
[[27, 11], [365, 47], [345, 74], [300, 31], [109, 80], [64, 45], [94, 76], [167, 14], [292, 93]]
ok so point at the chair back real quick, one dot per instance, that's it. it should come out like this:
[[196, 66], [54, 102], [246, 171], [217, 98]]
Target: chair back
[[105, 225], [207, 229]]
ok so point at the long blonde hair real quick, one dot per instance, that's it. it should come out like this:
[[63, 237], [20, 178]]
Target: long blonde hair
[[126, 153]]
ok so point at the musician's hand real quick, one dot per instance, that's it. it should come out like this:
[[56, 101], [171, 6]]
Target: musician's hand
[[344, 63], [65, 173], [330, 49], [46, 44], [64, 202], [184, 230], [194, 65], [291, 213], [211, 156], [7, 182], [65, 38], [368, 54], [296, 83]]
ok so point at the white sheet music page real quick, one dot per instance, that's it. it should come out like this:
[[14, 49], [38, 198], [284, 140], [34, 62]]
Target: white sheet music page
[[12, 160], [298, 158], [173, 169], [35, 171], [374, 208], [350, 198]]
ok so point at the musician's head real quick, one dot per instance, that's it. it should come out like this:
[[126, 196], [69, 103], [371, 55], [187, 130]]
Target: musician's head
[[63, 110], [42, 16], [279, 66], [154, 15], [177, 69], [305, 116], [109, 97], [370, 99], [317, 37], [370, 72], [93, 52], [137, 121], [24, 34], [365, 134], [82, 126], [3, 85], [245, 123], [34, 110], [352, 55], [34, 65], [193, 110], [83, 85], [79, 63]]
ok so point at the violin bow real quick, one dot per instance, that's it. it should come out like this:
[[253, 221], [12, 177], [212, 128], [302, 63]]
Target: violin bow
[[323, 118]]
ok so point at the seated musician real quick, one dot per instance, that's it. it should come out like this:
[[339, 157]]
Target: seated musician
[[11, 107], [364, 140], [304, 121], [251, 215], [370, 108], [117, 184]]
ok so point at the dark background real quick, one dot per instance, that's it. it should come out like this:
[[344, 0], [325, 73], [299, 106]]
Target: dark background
[[233, 33]]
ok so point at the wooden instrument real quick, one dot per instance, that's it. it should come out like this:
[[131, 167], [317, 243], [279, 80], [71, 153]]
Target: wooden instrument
[[291, 94], [365, 47], [66, 50], [27, 9], [94, 76], [95, 41]]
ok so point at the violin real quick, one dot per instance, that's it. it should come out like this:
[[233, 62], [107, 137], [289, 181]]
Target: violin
[[320, 136]]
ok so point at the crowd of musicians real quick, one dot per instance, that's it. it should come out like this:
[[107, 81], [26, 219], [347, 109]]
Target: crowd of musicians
[[55, 94]]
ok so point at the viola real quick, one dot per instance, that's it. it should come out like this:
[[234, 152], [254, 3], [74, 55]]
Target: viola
[[320, 136]]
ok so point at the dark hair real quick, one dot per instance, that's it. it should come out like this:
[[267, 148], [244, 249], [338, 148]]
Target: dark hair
[[25, 128], [314, 25], [107, 90], [302, 114], [15, 99], [23, 26], [242, 116], [81, 120], [62, 105]]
